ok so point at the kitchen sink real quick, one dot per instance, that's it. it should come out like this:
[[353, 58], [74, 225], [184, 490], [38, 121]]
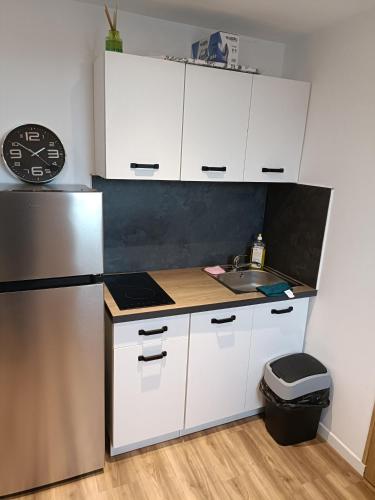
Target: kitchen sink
[[248, 280]]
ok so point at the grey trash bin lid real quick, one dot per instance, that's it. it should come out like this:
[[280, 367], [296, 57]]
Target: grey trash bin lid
[[296, 375]]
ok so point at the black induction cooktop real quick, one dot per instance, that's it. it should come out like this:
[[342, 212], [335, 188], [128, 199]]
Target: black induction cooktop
[[134, 290]]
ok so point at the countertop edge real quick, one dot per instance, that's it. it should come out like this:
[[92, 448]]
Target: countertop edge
[[204, 307]]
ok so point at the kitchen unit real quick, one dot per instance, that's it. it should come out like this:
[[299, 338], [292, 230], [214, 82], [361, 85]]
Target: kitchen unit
[[51, 336], [201, 356], [162, 120], [193, 163]]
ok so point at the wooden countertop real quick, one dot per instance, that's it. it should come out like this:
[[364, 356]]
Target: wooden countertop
[[193, 290]]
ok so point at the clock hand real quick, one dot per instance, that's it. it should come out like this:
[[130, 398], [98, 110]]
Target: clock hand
[[24, 147], [43, 160], [37, 152], [33, 153]]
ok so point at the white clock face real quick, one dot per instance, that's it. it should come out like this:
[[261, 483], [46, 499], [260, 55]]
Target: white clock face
[[33, 153]]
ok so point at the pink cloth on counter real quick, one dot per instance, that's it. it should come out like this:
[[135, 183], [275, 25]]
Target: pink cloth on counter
[[214, 270]]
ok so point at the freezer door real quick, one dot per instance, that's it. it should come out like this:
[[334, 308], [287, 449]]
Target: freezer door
[[51, 385], [50, 234]]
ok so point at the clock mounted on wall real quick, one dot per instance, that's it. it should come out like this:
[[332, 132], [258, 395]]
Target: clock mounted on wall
[[33, 153]]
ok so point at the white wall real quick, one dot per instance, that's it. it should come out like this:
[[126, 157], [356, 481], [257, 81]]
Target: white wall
[[47, 48], [339, 151]]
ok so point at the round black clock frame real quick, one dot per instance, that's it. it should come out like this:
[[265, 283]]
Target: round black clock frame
[[33, 153]]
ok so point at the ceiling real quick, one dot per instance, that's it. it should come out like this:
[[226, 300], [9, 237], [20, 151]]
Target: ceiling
[[271, 19]]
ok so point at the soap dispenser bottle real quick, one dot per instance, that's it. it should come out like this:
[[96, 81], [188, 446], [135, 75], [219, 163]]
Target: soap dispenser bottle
[[258, 253]]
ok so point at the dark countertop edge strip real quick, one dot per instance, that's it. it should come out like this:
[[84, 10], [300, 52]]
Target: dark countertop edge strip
[[205, 307]]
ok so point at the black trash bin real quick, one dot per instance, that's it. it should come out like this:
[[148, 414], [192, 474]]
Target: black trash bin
[[296, 389]]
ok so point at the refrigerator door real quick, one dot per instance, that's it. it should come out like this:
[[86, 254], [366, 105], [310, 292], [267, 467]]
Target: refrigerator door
[[51, 385], [49, 234]]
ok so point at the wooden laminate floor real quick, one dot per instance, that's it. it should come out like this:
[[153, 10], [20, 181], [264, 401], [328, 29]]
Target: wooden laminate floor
[[236, 461]]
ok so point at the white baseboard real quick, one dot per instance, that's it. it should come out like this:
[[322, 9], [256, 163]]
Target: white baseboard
[[341, 448], [222, 421], [142, 444]]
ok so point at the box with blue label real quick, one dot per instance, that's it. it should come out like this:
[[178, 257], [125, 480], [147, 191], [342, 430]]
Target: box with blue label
[[218, 47]]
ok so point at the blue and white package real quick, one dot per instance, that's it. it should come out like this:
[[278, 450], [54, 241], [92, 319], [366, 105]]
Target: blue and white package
[[199, 50], [219, 47]]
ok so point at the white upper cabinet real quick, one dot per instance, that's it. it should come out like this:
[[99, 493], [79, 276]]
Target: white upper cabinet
[[216, 114], [138, 117], [163, 120], [276, 129]]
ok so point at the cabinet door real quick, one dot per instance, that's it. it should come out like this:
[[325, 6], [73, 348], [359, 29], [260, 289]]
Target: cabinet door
[[143, 112], [276, 129], [278, 328], [216, 113], [148, 396], [218, 364]]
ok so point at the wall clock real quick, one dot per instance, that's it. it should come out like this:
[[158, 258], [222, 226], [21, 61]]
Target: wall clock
[[33, 153]]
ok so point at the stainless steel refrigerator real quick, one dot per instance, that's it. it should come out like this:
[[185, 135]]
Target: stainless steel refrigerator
[[51, 335]]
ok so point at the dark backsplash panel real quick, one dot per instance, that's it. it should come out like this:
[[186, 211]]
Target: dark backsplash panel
[[294, 225], [160, 225]]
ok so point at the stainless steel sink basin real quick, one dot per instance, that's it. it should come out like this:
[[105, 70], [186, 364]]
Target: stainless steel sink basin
[[248, 280]]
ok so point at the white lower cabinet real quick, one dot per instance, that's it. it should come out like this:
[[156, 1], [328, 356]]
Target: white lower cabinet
[[163, 381], [149, 380], [278, 328], [218, 365]]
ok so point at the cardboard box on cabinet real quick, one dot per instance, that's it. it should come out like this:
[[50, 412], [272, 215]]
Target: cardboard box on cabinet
[[219, 47]]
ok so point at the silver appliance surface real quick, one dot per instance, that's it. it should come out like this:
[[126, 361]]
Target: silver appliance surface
[[50, 232], [51, 335], [51, 372], [23, 187]]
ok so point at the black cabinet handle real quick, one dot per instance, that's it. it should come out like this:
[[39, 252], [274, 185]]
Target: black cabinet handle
[[214, 169], [282, 311], [273, 170], [147, 333], [225, 320], [152, 358], [153, 166]]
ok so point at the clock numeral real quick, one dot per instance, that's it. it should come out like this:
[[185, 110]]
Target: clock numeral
[[53, 153], [32, 136], [37, 171], [16, 154]]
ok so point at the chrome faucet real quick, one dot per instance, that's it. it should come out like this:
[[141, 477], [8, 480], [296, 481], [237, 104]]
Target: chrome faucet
[[237, 264]]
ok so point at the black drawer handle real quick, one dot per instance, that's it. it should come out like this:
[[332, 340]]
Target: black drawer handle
[[225, 320], [153, 166], [282, 311], [152, 358], [273, 170], [147, 333], [214, 169]]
